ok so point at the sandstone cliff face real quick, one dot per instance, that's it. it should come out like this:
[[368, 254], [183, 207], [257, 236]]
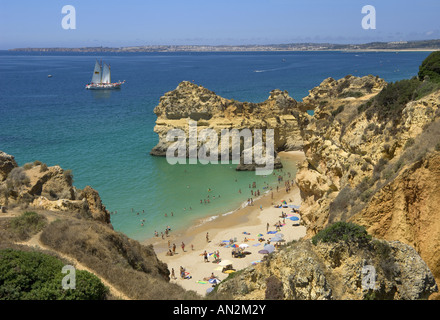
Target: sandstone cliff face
[[334, 271], [354, 161], [192, 102], [47, 188], [407, 209]]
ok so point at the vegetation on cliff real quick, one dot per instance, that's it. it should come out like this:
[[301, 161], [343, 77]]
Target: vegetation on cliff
[[30, 275], [342, 231], [373, 159], [72, 225], [430, 68]]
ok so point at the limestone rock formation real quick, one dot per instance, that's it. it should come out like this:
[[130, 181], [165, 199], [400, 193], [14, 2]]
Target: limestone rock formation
[[48, 188], [336, 271], [357, 153], [407, 209], [7, 163], [193, 102]]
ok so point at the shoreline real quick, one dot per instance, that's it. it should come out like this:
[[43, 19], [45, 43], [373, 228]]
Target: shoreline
[[230, 225]]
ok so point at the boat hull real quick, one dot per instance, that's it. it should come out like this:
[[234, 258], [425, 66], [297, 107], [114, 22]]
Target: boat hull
[[104, 86]]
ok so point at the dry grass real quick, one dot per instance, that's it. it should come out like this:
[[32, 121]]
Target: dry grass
[[131, 267]]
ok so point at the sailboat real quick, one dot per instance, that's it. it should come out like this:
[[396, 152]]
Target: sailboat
[[101, 79]]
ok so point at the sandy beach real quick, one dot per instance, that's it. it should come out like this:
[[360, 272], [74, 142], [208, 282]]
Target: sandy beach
[[243, 225]]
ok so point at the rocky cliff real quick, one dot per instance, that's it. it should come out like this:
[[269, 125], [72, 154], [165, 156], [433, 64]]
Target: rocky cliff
[[371, 157], [43, 211], [193, 102], [335, 271], [48, 188]]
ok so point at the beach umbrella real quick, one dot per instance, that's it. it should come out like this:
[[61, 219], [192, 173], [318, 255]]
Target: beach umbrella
[[269, 248], [234, 246], [280, 235], [225, 262], [276, 239], [259, 235], [294, 218], [293, 206], [243, 245], [209, 290], [263, 251], [214, 281]]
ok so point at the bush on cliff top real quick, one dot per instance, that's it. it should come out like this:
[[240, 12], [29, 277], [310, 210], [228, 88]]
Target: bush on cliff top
[[430, 67], [342, 231], [37, 276]]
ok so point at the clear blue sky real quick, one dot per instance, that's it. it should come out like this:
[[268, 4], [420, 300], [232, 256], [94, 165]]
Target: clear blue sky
[[37, 23]]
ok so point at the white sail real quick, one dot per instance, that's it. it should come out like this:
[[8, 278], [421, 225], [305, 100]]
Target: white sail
[[106, 74], [97, 73]]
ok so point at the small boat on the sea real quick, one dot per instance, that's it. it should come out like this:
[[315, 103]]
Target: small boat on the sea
[[49, 76], [101, 79]]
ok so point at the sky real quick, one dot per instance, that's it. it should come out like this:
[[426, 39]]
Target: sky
[[31, 23]]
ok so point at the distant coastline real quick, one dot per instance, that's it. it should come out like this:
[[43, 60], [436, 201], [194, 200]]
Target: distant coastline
[[422, 45]]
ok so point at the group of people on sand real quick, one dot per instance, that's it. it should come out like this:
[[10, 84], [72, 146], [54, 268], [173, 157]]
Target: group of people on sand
[[172, 249], [163, 234]]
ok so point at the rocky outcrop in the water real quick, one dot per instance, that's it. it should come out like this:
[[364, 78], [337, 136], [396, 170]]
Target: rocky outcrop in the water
[[193, 102], [47, 188], [335, 271]]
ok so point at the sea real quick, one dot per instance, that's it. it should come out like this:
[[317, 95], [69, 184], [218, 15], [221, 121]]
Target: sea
[[105, 137]]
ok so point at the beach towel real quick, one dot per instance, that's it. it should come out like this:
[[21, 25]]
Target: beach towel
[[272, 232], [202, 282], [257, 244]]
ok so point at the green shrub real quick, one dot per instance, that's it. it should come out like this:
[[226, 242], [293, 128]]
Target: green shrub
[[430, 67], [28, 166], [342, 231], [18, 178], [338, 110], [69, 176], [37, 276], [382, 248], [43, 167], [352, 94], [408, 143], [27, 224]]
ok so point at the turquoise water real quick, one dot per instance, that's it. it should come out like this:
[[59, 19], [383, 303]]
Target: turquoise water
[[105, 138]]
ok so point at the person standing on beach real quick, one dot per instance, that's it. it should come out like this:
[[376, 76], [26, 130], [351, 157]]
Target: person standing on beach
[[183, 247], [173, 276], [205, 256], [174, 248], [207, 237]]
